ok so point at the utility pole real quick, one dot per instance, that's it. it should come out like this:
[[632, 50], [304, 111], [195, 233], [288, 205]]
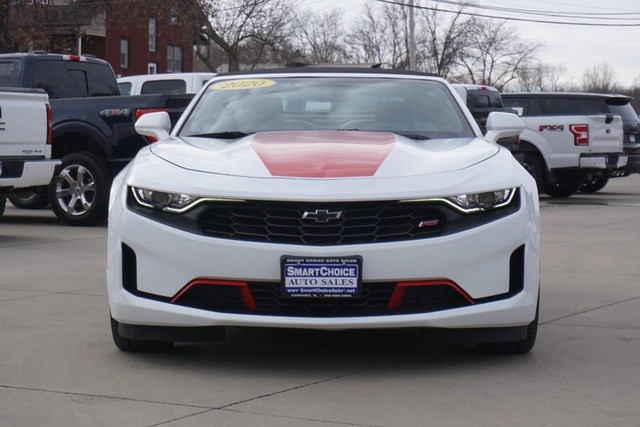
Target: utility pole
[[412, 38]]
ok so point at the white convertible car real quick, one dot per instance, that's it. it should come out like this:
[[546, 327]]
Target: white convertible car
[[324, 199]]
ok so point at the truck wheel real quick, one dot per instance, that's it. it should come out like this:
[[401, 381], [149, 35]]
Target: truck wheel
[[532, 164], [3, 203], [79, 191], [594, 184], [32, 201], [565, 185]]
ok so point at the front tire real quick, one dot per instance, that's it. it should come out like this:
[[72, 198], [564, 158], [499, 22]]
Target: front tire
[[534, 165], [130, 345], [3, 203], [594, 184], [79, 191], [565, 185]]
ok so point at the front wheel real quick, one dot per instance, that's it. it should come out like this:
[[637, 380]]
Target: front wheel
[[79, 191], [565, 185], [532, 163], [594, 184], [3, 202]]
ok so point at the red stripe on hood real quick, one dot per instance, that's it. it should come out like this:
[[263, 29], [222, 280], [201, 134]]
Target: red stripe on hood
[[323, 154]]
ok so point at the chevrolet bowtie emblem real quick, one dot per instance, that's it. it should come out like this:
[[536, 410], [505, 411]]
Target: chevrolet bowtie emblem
[[322, 215]]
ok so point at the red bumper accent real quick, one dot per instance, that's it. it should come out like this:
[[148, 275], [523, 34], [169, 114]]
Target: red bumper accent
[[243, 288], [398, 293]]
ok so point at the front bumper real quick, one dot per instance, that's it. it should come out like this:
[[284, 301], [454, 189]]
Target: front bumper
[[477, 260]]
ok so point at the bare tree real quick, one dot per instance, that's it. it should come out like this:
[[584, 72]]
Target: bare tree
[[321, 38], [380, 35], [27, 25], [539, 77], [446, 38], [496, 54], [5, 32], [235, 25], [599, 78]]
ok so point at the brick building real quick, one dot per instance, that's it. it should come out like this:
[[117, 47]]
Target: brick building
[[155, 42], [134, 36]]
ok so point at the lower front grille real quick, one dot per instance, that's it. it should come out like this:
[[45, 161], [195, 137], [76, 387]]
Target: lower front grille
[[376, 299]]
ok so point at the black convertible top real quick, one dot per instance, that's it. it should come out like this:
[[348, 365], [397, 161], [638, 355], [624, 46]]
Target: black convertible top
[[337, 68]]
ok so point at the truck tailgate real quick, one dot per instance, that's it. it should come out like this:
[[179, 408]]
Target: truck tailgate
[[606, 134], [23, 123]]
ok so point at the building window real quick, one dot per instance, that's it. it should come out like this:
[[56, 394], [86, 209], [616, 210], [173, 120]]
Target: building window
[[124, 53], [152, 68], [174, 59], [152, 34]]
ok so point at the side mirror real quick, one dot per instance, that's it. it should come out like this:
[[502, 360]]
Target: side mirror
[[503, 125], [155, 125]]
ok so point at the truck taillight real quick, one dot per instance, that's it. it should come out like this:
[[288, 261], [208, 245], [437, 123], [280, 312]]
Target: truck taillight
[[49, 125], [580, 134], [142, 111], [74, 58]]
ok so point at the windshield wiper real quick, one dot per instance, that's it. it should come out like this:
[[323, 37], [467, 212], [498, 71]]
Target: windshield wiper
[[416, 136], [228, 134]]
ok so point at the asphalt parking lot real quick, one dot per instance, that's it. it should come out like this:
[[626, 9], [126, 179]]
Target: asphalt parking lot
[[59, 367]]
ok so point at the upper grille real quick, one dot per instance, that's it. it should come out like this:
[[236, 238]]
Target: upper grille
[[359, 222]]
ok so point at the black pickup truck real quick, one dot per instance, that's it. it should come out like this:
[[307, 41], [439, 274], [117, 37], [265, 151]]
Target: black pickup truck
[[93, 128]]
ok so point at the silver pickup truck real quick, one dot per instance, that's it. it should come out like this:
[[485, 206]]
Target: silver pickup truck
[[25, 142]]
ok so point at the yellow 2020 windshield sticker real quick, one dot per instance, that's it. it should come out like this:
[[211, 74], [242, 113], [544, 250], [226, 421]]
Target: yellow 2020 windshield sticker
[[243, 84]]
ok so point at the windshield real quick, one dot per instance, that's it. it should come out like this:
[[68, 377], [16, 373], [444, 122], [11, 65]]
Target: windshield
[[418, 109]]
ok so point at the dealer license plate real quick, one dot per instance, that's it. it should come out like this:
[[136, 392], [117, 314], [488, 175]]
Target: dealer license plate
[[321, 277]]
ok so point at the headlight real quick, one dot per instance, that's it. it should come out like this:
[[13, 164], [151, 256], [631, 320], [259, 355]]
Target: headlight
[[168, 202], [475, 202]]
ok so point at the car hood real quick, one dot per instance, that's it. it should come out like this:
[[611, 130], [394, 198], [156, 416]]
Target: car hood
[[323, 154]]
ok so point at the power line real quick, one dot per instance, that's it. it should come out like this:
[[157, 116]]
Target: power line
[[595, 15], [539, 21], [583, 6]]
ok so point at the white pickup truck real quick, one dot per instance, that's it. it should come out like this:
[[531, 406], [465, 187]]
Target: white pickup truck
[[564, 143], [167, 83], [25, 142]]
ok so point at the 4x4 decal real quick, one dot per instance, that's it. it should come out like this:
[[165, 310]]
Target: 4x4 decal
[[551, 128]]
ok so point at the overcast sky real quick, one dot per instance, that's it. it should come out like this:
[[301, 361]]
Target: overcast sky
[[575, 47]]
